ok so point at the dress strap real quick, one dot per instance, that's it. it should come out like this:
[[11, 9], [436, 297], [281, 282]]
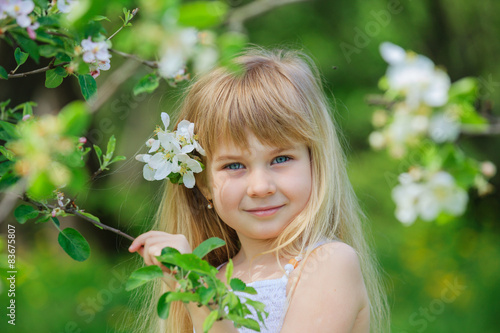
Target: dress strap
[[221, 265]]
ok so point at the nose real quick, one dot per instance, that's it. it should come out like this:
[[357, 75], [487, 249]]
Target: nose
[[260, 184]]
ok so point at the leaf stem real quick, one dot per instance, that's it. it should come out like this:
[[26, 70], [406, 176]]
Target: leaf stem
[[134, 12]]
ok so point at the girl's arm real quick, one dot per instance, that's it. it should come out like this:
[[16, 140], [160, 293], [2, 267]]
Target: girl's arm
[[149, 245], [330, 295]]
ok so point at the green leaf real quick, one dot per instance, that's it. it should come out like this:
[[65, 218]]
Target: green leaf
[[100, 18], [246, 322], [3, 73], [250, 290], [20, 56], [188, 262], [206, 294], [48, 50], [95, 218], [208, 246], [74, 244], [52, 79], [5, 166], [143, 275], [74, 118], [185, 297], [28, 108], [202, 14], [24, 213], [10, 129], [237, 285], [41, 187], [88, 86], [163, 307], [258, 306], [229, 271], [28, 45], [7, 153], [110, 149], [56, 221], [210, 320], [118, 158], [8, 180], [98, 152], [43, 219], [465, 89], [147, 84]]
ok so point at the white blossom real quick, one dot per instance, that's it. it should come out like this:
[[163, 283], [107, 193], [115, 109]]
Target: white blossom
[[97, 55], [18, 9], [443, 128], [428, 198], [187, 166], [415, 76], [180, 47], [172, 153]]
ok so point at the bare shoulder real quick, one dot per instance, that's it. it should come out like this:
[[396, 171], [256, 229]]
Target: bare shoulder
[[329, 287], [334, 255]]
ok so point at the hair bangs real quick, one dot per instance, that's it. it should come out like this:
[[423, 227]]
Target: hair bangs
[[261, 101]]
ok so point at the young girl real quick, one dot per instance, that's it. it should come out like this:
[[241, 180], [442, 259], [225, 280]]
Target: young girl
[[275, 188]]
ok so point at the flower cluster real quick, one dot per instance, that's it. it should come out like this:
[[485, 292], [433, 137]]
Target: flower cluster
[[423, 87], [427, 195], [19, 9], [97, 55], [173, 154], [422, 115], [183, 45]]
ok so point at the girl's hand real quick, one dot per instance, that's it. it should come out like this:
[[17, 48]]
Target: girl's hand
[[150, 244]]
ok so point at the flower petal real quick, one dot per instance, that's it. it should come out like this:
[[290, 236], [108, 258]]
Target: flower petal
[[188, 179]]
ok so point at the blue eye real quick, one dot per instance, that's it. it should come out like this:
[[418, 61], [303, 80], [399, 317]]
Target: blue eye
[[281, 159], [234, 166]]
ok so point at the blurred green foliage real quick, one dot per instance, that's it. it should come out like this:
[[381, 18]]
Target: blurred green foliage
[[441, 278]]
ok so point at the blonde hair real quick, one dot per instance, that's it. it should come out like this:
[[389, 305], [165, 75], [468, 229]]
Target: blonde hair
[[278, 96]]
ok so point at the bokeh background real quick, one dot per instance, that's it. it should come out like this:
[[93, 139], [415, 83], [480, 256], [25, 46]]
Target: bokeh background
[[440, 277]]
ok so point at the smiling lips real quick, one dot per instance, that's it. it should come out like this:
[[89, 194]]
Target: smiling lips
[[264, 211]]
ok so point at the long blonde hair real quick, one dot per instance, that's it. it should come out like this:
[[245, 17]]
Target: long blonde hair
[[278, 96]]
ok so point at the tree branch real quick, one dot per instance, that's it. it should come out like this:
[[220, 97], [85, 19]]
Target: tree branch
[[36, 71], [238, 16], [73, 211], [152, 64]]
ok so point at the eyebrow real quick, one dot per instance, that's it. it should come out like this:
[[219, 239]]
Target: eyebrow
[[235, 157]]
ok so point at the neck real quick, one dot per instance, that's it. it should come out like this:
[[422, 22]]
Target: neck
[[250, 252]]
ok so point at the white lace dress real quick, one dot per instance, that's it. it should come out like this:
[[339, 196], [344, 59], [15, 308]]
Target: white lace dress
[[272, 293]]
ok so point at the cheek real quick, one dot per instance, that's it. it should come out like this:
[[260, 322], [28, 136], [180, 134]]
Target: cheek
[[225, 193], [301, 187]]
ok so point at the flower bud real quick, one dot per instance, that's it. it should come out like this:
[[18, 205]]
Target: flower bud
[[488, 169]]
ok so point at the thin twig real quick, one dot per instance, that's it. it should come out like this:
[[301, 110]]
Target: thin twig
[[152, 64], [238, 16], [72, 210], [36, 71], [134, 12]]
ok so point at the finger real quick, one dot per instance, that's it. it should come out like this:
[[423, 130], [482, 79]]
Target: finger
[[141, 239]]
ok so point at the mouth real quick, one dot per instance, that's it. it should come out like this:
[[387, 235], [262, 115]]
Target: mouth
[[264, 211]]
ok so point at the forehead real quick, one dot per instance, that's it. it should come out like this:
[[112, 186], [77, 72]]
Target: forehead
[[252, 145]]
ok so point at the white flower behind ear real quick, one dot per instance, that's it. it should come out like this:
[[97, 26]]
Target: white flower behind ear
[[187, 166], [148, 172]]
